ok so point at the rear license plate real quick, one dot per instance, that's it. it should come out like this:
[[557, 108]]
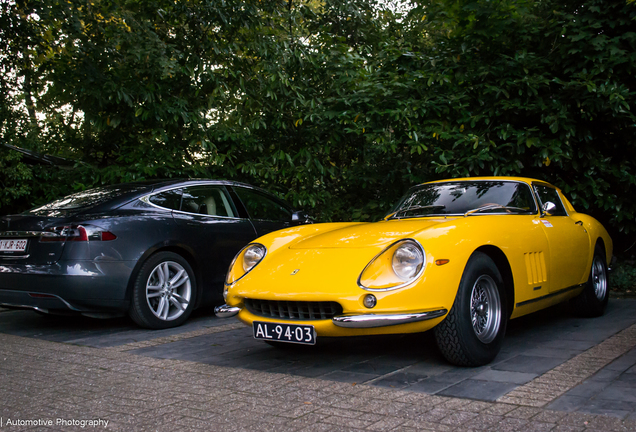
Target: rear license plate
[[13, 245], [292, 333]]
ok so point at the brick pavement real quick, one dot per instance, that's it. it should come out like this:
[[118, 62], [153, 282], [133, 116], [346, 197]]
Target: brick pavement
[[45, 381]]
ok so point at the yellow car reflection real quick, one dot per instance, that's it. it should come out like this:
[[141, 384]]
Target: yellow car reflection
[[460, 256]]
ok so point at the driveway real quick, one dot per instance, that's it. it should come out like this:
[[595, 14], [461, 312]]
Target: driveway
[[554, 367]]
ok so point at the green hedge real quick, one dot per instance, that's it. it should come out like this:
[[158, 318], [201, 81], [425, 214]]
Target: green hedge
[[336, 106]]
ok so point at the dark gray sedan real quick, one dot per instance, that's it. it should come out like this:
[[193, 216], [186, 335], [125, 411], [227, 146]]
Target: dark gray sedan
[[155, 249]]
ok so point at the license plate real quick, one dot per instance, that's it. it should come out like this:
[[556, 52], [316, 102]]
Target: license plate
[[13, 245], [292, 333]]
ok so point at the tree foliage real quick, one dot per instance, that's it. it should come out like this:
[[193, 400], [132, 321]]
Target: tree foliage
[[336, 106]]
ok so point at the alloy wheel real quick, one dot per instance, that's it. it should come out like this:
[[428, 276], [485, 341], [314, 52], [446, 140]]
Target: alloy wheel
[[168, 290]]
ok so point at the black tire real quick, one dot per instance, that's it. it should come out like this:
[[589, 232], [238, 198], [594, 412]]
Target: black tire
[[460, 341], [593, 299], [151, 288]]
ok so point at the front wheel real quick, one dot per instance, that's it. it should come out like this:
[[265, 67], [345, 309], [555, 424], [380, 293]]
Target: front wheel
[[472, 332], [593, 299], [164, 292]]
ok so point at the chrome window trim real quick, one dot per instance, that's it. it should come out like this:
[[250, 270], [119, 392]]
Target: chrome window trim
[[549, 186], [146, 199], [536, 212], [204, 215], [417, 276]]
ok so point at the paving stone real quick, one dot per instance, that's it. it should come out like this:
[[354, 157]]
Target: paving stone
[[605, 375], [399, 380], [537, 426], [505, 376], [431, 385], [568, 403], [549, 416], [587, 389], [529, 364], [626, 380], [580, 345], [427, 425], [500, 409], [238, 390], [476, 406], [510, 424], [347, 422], [618, 393], [523, 412], [482, 390], [387, 424], [458, 418], [552, 352], [349, 377]]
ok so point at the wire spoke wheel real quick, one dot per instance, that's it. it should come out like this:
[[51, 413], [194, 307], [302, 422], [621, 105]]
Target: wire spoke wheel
[[485, 309], [599, 278], [473, 331], [168, 290]]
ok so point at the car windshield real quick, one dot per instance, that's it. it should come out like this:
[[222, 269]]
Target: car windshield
[[465, 198], [86, 199]]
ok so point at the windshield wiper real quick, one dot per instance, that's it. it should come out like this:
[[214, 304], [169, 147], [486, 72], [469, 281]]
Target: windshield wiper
[[496, 206], [418, 207]]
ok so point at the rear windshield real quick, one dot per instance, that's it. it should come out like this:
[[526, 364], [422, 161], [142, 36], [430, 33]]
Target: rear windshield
[[87, 199]]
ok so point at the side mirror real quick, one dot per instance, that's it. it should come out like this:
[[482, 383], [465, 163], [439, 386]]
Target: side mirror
[[300, 217], [548, 208]]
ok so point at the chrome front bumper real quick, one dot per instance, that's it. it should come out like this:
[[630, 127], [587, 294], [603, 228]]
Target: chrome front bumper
[[373, 320], [356, 321], [226, 311]]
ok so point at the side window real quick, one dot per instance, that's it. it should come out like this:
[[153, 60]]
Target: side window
[[262, 207], [522, 198], [170, 199], [206, 200], [546, 194]]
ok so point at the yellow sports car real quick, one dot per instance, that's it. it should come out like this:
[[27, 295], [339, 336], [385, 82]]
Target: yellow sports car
[[458, 256]]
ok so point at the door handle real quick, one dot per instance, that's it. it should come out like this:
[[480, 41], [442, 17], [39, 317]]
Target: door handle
[[579, 223]]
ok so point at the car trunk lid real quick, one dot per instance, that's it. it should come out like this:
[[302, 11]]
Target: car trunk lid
[[26, 239]]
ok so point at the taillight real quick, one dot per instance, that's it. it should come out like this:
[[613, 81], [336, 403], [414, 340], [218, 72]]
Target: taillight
[[78, 233]]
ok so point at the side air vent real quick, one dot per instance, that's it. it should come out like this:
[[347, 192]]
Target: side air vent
[[535, 267]]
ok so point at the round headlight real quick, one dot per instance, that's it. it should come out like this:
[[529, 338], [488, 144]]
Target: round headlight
[[407, 260], [252, 256]]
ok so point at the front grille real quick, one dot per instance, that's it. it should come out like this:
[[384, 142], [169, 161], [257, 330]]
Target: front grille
[[294, 310]]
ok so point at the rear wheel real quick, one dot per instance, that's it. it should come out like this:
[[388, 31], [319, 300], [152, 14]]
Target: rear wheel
[[472, 332], [593, 299], [164, 292]]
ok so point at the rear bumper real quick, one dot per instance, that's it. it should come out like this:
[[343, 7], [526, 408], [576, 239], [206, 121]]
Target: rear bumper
[[81, 286]]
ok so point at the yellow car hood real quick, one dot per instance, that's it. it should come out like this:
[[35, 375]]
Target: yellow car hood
[[367, 235]]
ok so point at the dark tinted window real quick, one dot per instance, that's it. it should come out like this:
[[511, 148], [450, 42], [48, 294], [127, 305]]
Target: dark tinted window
[[168, 199], [207, 200], [88, 198], [262, 207], [548, 194], [460, 197]]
